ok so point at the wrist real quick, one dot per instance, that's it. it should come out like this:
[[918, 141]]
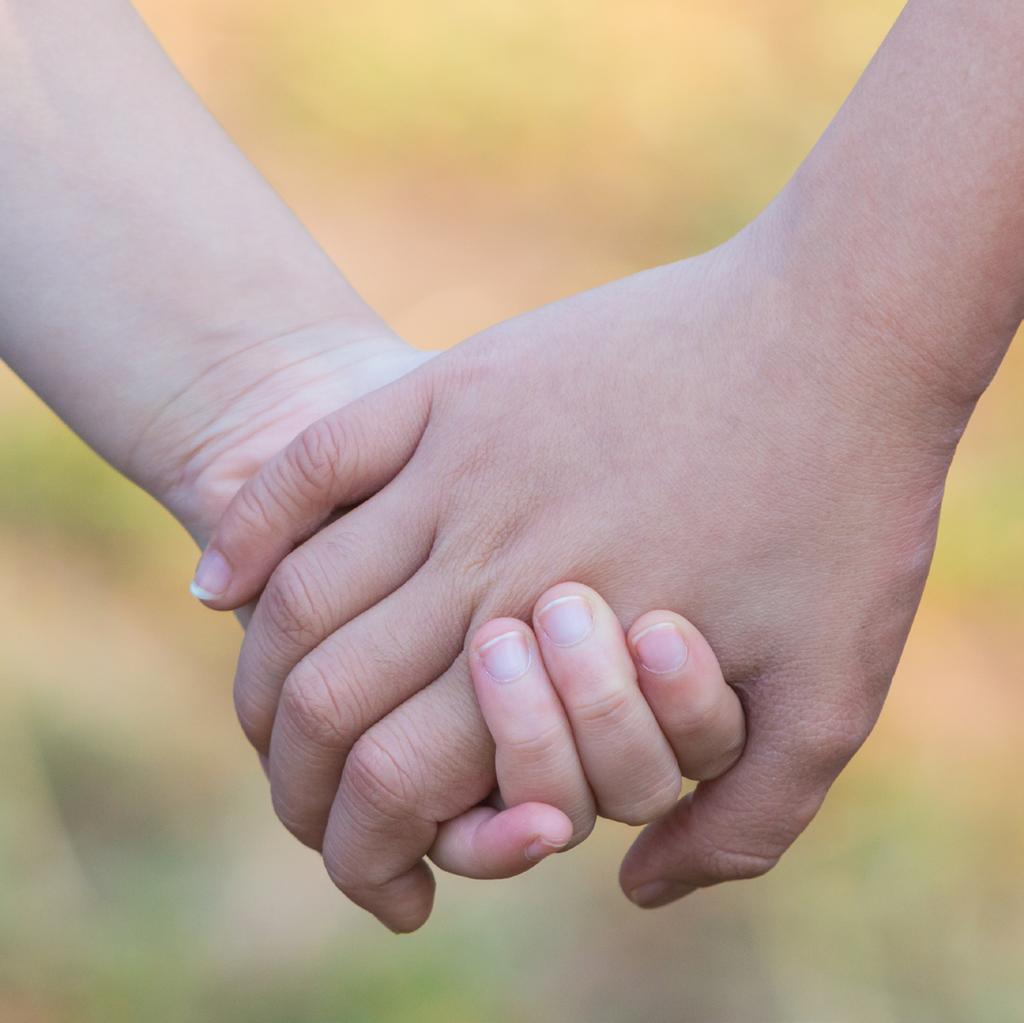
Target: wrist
[[904, 226], [894, 342], [200, 446]]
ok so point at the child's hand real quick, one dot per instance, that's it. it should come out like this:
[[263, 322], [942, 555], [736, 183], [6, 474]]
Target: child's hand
[[585, 720]]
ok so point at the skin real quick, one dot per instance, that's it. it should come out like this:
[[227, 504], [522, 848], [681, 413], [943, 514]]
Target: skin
[[760, 434], [181, 294], [353, 679], [584, 718], [223, 350]]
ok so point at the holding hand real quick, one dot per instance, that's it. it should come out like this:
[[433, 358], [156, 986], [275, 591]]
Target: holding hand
[[588, 719], [703, 436], [760, 435]]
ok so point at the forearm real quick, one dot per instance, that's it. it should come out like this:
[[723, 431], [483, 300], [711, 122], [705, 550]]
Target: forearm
[[138, 248], [908, 216]]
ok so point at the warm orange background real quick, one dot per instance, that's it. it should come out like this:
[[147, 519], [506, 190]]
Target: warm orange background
[[465, 160]]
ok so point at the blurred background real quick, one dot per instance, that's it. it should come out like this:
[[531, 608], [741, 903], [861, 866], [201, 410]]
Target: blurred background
[[465, 160]]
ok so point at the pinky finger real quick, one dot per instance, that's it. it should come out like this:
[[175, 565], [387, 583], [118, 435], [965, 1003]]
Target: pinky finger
[[488, 844]]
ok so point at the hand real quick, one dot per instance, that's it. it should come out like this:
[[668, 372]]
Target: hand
[[584, 717], [724, 434], [198, 450]]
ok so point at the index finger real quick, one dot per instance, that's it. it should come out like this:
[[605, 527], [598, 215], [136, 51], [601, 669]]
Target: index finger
[[336, 462]]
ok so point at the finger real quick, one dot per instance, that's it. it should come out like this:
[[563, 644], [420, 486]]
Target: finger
[[428, 761], [630, 766], [347, 568], [352, 680], [535, 754], [486, 843], [535, 759], [738, 825], [337, 462], [679, 675]]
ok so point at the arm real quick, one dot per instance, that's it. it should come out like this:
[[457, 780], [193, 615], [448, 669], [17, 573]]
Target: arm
[[150, 279], [907, 218], [760, 434]]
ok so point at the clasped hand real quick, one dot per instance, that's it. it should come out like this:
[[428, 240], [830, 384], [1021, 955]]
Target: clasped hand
[[695, 438]]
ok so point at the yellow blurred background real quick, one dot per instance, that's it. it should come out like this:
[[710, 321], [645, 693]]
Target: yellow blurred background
[[465, 160]]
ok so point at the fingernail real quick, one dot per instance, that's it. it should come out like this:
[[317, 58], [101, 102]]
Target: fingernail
[[567, 620], [659, 893], [506, 657], [212, 578], [541, 848], [661, 648]]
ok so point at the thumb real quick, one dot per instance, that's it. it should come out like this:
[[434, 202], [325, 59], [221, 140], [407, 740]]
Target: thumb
[[336, 462], [739, 825]]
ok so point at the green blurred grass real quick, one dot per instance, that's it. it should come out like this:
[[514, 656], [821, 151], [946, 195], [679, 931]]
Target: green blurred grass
[[145, 877]]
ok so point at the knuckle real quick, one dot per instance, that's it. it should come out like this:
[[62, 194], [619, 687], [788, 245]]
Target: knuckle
[[723, 864], [309, 832], [476, 549], [536, 749], [312, 706], [314, 455], [380, 779], [832, 743], [340, 873], [490, 544], [584, 819], [253, 508], [341, 546], [723, 758], [610, 710], [291, 604], [695, 718], [649, 807], [252, 716]]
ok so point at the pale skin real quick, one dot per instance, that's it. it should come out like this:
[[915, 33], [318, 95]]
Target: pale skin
[[147, 268], [587, 719], [758, 436]]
